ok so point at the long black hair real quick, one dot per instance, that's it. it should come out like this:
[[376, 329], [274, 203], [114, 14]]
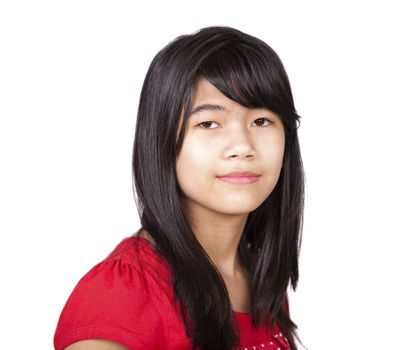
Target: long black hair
[[248, 71]]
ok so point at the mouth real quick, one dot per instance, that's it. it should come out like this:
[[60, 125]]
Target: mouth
[[240, 174], [239, 179]]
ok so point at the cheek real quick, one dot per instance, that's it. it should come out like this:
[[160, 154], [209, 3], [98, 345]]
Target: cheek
[[274, 154], [193, 164], [194, 155], [270, 150]]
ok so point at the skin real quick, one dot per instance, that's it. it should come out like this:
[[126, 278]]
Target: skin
[[234, 140], [95, 344]]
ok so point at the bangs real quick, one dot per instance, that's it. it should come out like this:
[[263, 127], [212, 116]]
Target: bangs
[[246, 75]]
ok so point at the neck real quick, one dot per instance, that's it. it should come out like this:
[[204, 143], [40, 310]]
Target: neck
[[219, 234]]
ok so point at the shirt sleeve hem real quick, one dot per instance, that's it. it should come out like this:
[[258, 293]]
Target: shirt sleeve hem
[[124, 337]]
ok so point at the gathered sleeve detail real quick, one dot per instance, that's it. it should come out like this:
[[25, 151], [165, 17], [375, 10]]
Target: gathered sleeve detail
[[111, 301]]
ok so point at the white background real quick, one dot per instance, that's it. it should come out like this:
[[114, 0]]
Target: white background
[[70, 78]]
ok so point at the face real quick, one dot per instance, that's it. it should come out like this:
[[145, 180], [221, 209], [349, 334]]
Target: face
[[226, 138]]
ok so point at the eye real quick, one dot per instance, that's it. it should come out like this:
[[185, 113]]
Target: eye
[[207, 123], [263, 119]]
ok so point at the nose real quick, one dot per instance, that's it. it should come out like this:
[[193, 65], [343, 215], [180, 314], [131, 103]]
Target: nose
[[239, 145]]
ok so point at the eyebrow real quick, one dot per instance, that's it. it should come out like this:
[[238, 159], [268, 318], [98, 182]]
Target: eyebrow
[[207, 107]]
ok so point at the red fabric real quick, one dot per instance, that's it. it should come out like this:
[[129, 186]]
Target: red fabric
[[128, 298]]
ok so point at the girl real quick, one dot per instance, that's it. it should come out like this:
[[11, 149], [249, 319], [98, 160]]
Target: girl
[[219, 186]]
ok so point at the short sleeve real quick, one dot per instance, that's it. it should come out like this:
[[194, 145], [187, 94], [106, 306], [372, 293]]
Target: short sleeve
[[111, 301]]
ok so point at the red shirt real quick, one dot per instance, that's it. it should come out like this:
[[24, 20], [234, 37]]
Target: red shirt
[[128, 298]]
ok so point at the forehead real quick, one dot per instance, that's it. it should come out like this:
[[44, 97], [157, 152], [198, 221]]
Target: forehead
[[204, 91], [202, 88], [206, 97]]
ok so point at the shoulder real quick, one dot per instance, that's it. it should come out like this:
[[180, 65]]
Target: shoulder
[[118, 299], [131, 267]]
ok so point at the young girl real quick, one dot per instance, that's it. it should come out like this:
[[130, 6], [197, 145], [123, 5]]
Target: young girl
[[219, 186]]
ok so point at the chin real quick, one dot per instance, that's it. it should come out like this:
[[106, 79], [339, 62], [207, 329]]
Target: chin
[[234, 209]]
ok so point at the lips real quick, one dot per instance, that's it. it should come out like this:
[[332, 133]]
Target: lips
[[240, 174], [240, 177]]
